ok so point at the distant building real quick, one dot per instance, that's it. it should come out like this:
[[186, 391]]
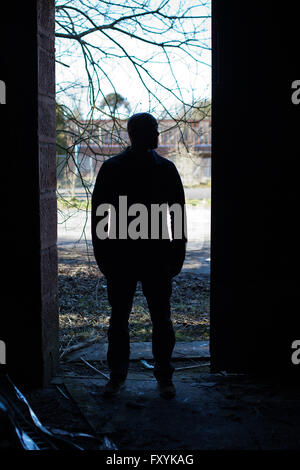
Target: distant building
[[187, 144]]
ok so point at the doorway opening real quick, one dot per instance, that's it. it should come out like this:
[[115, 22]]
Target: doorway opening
[[97, 91]]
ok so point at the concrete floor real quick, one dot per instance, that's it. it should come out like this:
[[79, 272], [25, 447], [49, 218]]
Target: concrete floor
[[209, 412]]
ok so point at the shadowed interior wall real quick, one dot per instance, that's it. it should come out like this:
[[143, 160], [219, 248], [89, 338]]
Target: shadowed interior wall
[[29, 317], [255, 206]]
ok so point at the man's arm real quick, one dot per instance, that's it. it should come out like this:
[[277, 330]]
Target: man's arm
[[101, 195], [178, 220]]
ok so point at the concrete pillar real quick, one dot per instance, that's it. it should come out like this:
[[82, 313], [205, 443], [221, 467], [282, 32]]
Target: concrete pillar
[[29, 321]]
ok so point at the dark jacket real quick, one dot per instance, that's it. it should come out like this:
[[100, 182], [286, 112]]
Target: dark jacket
[[147, 179]]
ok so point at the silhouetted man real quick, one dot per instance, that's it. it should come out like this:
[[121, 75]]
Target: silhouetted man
[[131, 243]]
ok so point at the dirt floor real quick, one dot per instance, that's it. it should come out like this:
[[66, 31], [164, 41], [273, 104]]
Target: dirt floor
[[209, 412]]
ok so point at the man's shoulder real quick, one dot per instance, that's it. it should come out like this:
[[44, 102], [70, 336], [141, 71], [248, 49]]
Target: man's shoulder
[[163, 160], [120, 159], [115, 160]]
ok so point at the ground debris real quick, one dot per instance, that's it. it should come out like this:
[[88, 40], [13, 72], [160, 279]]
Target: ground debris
[[84, 310]]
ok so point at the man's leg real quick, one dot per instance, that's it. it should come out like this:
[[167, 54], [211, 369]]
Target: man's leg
[[120, 291], [157, 290]]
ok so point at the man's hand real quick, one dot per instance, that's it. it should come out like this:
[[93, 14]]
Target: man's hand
[[176, 257]]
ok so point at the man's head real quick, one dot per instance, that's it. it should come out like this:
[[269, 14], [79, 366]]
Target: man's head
[[142, 131]]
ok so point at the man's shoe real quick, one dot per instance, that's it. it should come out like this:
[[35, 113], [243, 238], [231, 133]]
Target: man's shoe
[[112, 388], [166, 388]]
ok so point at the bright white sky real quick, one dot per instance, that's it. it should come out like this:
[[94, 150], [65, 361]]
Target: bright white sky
[[194, 79]]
